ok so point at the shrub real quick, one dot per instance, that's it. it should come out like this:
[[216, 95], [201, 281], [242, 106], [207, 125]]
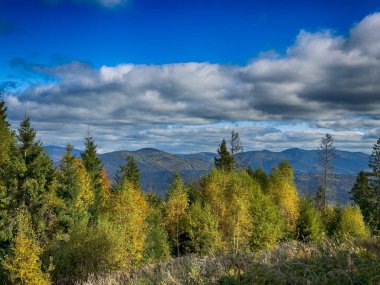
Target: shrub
[[351, 223], [310, 226]]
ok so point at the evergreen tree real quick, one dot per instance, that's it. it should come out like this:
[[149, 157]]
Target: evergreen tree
[[310, 225], [74, 188], [35, 181], [374, 181], [262, 178], [12, 168], [226, 160], [237, 150], [362, 195], [94, 167], [130, 172]]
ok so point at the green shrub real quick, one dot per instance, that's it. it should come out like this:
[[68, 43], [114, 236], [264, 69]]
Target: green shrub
[[310, 226]]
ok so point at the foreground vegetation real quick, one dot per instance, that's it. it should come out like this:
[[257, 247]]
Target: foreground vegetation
[[328, 262], [235, 225]]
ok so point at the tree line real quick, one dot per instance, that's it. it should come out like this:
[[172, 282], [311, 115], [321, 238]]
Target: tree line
[[63, 223]]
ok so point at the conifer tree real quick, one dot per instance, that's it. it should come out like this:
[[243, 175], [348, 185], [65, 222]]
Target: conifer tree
[[175, 210], [94, 168], [130, 172], [74, 188], [374, 181], [226, 160], [362, 195], [12, 168], [35, 181], [310, 226]]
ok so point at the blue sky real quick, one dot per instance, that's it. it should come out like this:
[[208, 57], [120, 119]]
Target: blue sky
[[201, 66]]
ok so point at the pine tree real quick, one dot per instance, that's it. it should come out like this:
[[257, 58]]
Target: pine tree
[[94, 168], [310, 225], [374, 182], [226, 160], [35, 181], [74, 188], [176, 210], [362, 195], [130, 172], [24, 264], [237, 150], [12, 168]]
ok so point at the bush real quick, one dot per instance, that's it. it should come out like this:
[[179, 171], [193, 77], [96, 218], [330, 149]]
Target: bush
[[351, 223], [90, 249]]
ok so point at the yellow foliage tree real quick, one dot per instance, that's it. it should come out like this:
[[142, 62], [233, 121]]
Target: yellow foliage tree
[[85, 196], [129, 209], [230, 193], [175, 210], [24, 265], [284, 193], [351, 223]]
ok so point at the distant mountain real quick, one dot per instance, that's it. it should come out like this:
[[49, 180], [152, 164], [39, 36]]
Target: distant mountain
[[56, 152], [157, 167]]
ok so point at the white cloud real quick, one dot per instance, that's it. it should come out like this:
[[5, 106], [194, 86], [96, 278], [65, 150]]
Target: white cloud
[[329, 81]]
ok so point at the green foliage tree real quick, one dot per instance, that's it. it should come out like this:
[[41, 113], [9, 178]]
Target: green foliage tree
[[283, 191], [35, 181], [268, 225], [262, 178], [225, 161], [24, 263], [129, 172], [91, 249], [176, 208], [157, 246], [310, 225], [73, 187], [12, 168], [94, 168], [362, 195], [202, 226]]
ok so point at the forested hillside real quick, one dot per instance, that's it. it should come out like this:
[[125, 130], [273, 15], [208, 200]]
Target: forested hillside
[[70, 224]]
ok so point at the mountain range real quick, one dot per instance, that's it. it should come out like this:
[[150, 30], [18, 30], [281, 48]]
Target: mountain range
[[157, 167]]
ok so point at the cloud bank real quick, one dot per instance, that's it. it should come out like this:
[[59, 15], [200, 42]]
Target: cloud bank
[[324, 82]]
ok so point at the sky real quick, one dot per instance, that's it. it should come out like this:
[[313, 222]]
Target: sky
[[181, 75]]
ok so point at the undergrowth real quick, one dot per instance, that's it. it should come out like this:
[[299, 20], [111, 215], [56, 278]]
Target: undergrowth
[[328, 262]]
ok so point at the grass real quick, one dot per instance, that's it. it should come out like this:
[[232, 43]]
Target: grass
[[329, 262]]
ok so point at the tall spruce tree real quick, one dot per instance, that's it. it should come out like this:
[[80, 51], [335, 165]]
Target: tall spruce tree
[[374, 181], [362, 195], [130, 173], [225, 161], [94, 167], [74, 188], [11, 168], [35, 182]]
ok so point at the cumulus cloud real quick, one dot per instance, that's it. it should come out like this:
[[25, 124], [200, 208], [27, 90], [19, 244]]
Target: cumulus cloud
[[331, 82]]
